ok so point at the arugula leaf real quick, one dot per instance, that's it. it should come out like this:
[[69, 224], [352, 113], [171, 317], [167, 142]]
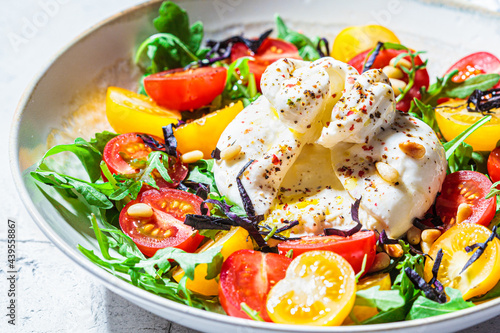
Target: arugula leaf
[[494, 190], [426, 113], [445, 88], [240, 83], [383, 300], [94, 194], [175, 46], [306, 46], [174, 20], [202, 172], [424, 307], [131, 266]]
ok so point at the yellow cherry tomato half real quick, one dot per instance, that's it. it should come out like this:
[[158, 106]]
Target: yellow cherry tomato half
[[353, 40], [231, 241], [479, 277], [453, 118], [128, 112], [204, 133], [319, 289], [362, 313]]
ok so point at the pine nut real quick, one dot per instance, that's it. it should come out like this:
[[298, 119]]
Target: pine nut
[[140, 210], [398, 86], [413, 235], [394, 250], [393, 72], [387, 172], [464, 212], [412, 149], [192, 156], [401, 63], [426, 247], [382, 261], [430, 235], [230, 152]]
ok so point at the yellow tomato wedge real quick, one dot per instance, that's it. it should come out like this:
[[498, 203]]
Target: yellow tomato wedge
[[353, 40], [453, 118], [479, 277], [231, 241], [364, 312], [319, 289], [128, 112], [204, 133]]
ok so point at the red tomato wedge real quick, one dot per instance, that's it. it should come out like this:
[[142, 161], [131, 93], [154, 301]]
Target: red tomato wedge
[[182, 90], [157, 222], [469, 187], [475, 64], [126, 154], [352, 248], [247, 276], [382, 60], [269, 51], [494, 165]]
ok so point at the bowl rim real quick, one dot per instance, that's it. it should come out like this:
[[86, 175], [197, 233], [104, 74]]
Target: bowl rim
[[119, 286]]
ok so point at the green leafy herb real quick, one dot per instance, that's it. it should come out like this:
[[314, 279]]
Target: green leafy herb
[[424, 307], [152, 274], [307, 47], [445, 88], [426, 113], [255, 315], [175, 46], [240, 83], [494, 190]]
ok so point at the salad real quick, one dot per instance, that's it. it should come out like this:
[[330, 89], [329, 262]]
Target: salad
[[278, 179]]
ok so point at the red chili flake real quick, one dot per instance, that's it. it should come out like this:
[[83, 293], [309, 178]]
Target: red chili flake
[[350, 80], [334, 95], [290, 85], [361, 173], [371, 103], [367, 148], [327, 123], [385, 148], [363, 109], [352, 128], [350, 113], [276, 160], [285, 206]]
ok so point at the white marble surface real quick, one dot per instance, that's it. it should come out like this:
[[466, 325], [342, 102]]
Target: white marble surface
[[54, 294]]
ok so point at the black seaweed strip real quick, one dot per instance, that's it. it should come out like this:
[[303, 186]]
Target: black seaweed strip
[[170, 140], [373, 56], [245, 198], [215, 154], [480, 250]]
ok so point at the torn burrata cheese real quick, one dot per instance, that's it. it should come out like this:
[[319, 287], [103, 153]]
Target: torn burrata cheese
[[321, 136]]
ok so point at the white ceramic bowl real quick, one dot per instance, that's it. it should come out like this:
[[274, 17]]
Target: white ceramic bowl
[[446, 32]]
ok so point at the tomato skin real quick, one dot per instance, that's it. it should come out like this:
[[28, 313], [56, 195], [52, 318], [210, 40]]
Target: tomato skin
[[474, 64], [352, 248], [204, 133], [494, 165], [356, 39], [128, 112], [269, 51], [248, 276], [476, 187], [183, 90], [117, 165], [382, 60], [166, 217]]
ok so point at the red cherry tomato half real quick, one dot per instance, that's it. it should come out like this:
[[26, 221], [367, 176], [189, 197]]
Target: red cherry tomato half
[[165, 227], [269, 51], [180, 89], [248, 276], [475, 64], [127, 154], [468, 187], [382, 60], [494, 165], [352, 248]]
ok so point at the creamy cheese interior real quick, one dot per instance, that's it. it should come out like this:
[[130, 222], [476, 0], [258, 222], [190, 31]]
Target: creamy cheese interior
[[315, 137]]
